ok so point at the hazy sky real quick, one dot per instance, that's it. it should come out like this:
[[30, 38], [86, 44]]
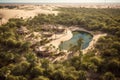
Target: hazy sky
[[56, 1]]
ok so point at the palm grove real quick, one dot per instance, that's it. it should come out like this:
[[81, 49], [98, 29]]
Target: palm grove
[[18, 60]]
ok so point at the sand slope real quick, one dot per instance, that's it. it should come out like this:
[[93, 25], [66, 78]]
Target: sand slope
[[6, 14]]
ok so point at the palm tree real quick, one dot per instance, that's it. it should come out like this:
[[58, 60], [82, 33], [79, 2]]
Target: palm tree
[[108, 76], [79, 46], [82, 75], [80, 41], [75, 48]]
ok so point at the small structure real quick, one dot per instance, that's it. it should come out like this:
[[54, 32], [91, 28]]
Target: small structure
[[42, 52], [47, 34], [53, 28], [22, 30]]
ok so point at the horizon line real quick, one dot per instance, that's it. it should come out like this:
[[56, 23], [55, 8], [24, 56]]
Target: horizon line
[[57, 2]]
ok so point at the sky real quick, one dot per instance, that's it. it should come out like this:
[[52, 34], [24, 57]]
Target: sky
[[59, 1]]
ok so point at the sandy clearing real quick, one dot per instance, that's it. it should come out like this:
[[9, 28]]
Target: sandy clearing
[[84, 51], [75, 28], [61, 37], [13, 13], [91, 46], [68, 35]]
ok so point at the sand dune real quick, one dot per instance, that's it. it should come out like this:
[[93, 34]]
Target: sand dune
[[6, 14]]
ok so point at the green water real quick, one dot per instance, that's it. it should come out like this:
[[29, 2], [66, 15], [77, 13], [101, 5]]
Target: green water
[[86, 37]]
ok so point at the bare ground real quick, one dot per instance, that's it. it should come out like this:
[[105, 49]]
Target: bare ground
[[25, 12]]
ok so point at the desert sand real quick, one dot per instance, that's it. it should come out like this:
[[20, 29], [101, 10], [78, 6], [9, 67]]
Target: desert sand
[[25, 12]]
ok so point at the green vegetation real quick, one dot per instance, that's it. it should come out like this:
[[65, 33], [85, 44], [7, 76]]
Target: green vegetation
[[18, 60], [8, 6]]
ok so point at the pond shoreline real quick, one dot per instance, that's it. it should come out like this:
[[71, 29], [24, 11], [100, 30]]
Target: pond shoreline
[[78, 35], [68, 35], [94, 39], [91, 45]]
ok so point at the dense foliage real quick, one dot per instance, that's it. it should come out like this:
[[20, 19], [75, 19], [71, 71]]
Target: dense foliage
[[18, 60], [8, 6]]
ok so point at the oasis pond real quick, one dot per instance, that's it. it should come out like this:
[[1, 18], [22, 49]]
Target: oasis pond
[[85, 36]]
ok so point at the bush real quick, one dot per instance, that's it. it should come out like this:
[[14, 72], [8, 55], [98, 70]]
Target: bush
[[108, 76]]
